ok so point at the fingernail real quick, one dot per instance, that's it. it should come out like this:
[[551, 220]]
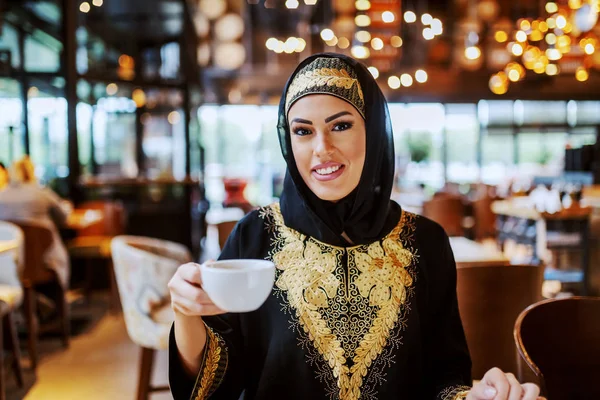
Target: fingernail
[[490, 392]]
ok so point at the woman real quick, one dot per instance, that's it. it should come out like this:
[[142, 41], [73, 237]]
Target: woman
[[364, 305], [25, 200]]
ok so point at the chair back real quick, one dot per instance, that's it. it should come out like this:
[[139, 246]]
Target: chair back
[[448, 211], [559, 339], [11, 262], [38, 239], [490, 300], [113, 221], [484, 217], [143, 267]]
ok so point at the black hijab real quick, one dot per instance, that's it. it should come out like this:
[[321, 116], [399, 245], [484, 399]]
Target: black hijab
[[365, 215]]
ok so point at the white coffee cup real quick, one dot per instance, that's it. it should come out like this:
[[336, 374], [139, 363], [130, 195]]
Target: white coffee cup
[[238, 285]]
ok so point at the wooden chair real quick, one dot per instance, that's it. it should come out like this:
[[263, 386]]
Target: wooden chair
[[38, 240], [490, 300], [143, 268], [484, 217], [225, 228], [559, 339], [448, 211], [93, 243]]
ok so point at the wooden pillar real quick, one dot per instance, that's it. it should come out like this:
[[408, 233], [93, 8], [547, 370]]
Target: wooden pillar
[[24, 93], [140, 158], [69, 8]]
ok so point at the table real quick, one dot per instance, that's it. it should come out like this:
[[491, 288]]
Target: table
[[468, 253], [80, 219]]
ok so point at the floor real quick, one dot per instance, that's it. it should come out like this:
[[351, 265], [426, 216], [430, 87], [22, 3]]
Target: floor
[[101, 363]]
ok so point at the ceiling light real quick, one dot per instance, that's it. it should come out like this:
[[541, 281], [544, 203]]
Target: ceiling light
[[406, 80], [472, 53], [360, 52], [388, 17], [396, 41], [362, 20], [374, 71], [292, 4], [363, 36], [394, 82], [377, 44], [343, 43], [421, 76], [426, 19], [410, 17], [362, 5], [327, 34]]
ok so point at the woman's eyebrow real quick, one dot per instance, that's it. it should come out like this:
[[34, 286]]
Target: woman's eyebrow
[[334, 116], [302, 121]]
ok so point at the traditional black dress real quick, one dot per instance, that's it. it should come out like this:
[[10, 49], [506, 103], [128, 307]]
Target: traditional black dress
[[375, 319]]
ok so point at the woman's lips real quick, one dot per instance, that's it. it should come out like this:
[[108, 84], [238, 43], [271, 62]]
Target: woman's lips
[[328, 172]]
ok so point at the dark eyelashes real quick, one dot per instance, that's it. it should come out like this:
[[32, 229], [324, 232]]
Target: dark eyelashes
[[339, 126]]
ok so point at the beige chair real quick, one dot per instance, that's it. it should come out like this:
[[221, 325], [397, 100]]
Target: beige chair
[[559, 339], [11, 291], [143, 268], [490, 300]]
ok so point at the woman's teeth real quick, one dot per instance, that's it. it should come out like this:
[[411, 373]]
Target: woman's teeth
[[328, 171]]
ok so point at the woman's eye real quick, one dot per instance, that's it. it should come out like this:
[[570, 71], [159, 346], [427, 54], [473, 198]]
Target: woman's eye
[[301, 132], [342, 126]]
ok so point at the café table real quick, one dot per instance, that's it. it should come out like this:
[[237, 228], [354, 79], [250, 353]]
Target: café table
[[470, 253]]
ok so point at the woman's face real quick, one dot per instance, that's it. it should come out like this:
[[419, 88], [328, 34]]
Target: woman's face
[[329, 144]]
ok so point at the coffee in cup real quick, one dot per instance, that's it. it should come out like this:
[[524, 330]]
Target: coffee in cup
[[238, 285]]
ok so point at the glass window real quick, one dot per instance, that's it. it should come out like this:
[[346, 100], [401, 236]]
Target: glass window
[[497, 155], [418, 140], [48, 142], [462, 137], [9, 40], [42, 52], [114, 136], [11, 107]]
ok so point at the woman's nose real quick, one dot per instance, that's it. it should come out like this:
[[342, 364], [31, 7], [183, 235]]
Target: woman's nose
[[323, 145]]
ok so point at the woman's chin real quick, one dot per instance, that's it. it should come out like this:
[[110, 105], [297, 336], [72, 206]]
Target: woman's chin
[[330, 195]]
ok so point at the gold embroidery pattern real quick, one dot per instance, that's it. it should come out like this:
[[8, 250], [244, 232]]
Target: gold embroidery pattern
[[349, 313], [454, 393], [339, 78], [211, 364]]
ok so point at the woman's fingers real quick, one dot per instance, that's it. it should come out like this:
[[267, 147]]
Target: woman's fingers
[[481, 391], [516, 390], [530, 391], [497, 379], [187, 296], [190, 272]]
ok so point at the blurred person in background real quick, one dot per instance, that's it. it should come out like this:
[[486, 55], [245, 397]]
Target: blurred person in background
[[3, 176], [24, 200], [364, 304]]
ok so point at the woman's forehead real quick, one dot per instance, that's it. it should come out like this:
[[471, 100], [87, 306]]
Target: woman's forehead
[[318, 105]]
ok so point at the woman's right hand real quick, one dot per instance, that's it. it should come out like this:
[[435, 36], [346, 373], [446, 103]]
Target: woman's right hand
[[187, 296]]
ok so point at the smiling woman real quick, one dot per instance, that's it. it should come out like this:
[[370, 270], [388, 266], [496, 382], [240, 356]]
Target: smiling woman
[[329, 150], [364, 304]]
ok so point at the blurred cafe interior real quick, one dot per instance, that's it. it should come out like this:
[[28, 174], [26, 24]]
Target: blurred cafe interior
[[157, 119]]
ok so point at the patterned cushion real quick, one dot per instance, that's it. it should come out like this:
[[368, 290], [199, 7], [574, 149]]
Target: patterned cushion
[[143, 268]]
